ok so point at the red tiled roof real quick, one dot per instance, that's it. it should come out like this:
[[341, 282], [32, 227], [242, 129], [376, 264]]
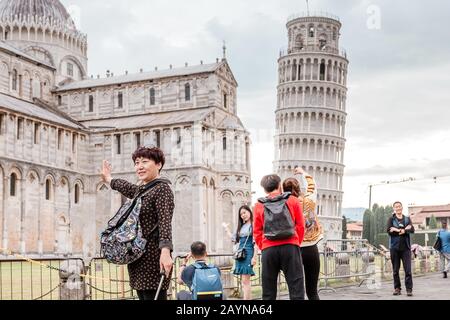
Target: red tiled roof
[[355, 227], [418, 214]]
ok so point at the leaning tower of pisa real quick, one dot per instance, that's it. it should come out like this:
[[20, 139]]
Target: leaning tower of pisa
[[310, 114]]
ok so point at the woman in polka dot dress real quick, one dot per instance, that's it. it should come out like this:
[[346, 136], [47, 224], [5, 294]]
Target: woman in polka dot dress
[[157, 209]]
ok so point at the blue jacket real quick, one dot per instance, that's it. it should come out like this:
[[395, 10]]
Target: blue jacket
[[394, 237], [445, 238]]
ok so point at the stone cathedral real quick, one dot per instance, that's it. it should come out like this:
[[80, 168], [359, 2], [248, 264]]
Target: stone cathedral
[[311, 111], [57, 125]]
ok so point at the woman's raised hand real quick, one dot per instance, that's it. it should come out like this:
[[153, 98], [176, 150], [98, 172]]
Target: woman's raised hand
[[106, 172]]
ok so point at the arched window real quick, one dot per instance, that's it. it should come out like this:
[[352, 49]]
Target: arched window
[[322, 71], [120, 100], [224, 143], [47, 189], [14, 80], [322, 41], [187, 92], [311, 31], [69, 69], [225, 100], [91, 103], [13, 185], [37, 133], [158, 138], [77, 194], [152, 96], [298, 42]]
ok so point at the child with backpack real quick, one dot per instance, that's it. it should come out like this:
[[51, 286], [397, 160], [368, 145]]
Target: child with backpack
[[202, 278]]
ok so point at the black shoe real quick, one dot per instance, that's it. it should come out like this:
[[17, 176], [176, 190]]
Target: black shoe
[[445, 274], [409, 293]]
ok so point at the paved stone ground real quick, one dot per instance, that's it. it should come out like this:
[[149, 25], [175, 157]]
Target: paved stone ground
[[429, 287]]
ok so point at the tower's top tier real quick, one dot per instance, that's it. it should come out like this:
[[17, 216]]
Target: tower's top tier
[[313, 32]]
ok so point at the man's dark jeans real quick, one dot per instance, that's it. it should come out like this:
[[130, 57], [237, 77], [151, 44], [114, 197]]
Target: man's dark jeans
[[405, 257], [286, 258]]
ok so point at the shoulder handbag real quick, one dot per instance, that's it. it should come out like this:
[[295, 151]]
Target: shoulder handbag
[[438, 243], [241, 254], [123, 242]]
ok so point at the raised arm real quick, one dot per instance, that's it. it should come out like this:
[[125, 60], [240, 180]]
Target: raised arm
[[226, 227], [124, 187], [309, 182]]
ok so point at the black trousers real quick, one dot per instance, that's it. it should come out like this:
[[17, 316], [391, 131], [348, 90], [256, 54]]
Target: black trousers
[[311, 266], [286, 258], [405, 257], [150, 294]]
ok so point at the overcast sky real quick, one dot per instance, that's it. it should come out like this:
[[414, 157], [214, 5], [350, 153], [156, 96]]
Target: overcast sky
[[398, 105]]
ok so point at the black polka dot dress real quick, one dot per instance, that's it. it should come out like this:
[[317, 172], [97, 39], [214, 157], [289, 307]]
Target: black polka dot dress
[[157, 207]]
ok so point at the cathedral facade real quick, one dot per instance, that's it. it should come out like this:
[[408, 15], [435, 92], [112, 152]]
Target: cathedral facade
[[57, 125]]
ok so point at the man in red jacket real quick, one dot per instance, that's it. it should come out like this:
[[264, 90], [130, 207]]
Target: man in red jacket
[[280, 254]]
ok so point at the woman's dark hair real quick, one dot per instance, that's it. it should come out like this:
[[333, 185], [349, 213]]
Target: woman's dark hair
[[241, 222], [198, 249], [291, 185], [155, 154]]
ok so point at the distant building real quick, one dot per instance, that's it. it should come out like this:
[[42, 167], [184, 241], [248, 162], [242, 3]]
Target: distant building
[[354, 231], [421, 215]]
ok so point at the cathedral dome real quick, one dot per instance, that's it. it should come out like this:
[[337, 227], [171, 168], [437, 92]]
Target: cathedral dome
[[38, 10]]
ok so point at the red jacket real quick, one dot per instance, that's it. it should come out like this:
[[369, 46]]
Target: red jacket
[[297, 216]]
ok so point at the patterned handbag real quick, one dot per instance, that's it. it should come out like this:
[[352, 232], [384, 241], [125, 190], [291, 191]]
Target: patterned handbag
[[122, 242]]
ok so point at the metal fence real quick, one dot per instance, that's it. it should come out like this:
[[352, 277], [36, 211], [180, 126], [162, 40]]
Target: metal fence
[[37, 280], [343, 262]]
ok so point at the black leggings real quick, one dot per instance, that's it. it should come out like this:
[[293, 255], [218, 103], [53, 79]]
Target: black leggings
[[311, 265], [150, 294]]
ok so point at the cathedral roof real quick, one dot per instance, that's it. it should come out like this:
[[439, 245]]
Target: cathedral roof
[[230, 122], [34, 111], [143, 76], [45, 10], [150, 119], [10, 49]]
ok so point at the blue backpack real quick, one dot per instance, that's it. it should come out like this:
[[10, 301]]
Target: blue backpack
[[206, 284]]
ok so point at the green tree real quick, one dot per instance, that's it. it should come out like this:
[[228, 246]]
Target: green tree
[[389, 210], [366, 224], [374, 207], [344, 227], [379, 224], [373, 228], [344, 233], [433, 223]]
